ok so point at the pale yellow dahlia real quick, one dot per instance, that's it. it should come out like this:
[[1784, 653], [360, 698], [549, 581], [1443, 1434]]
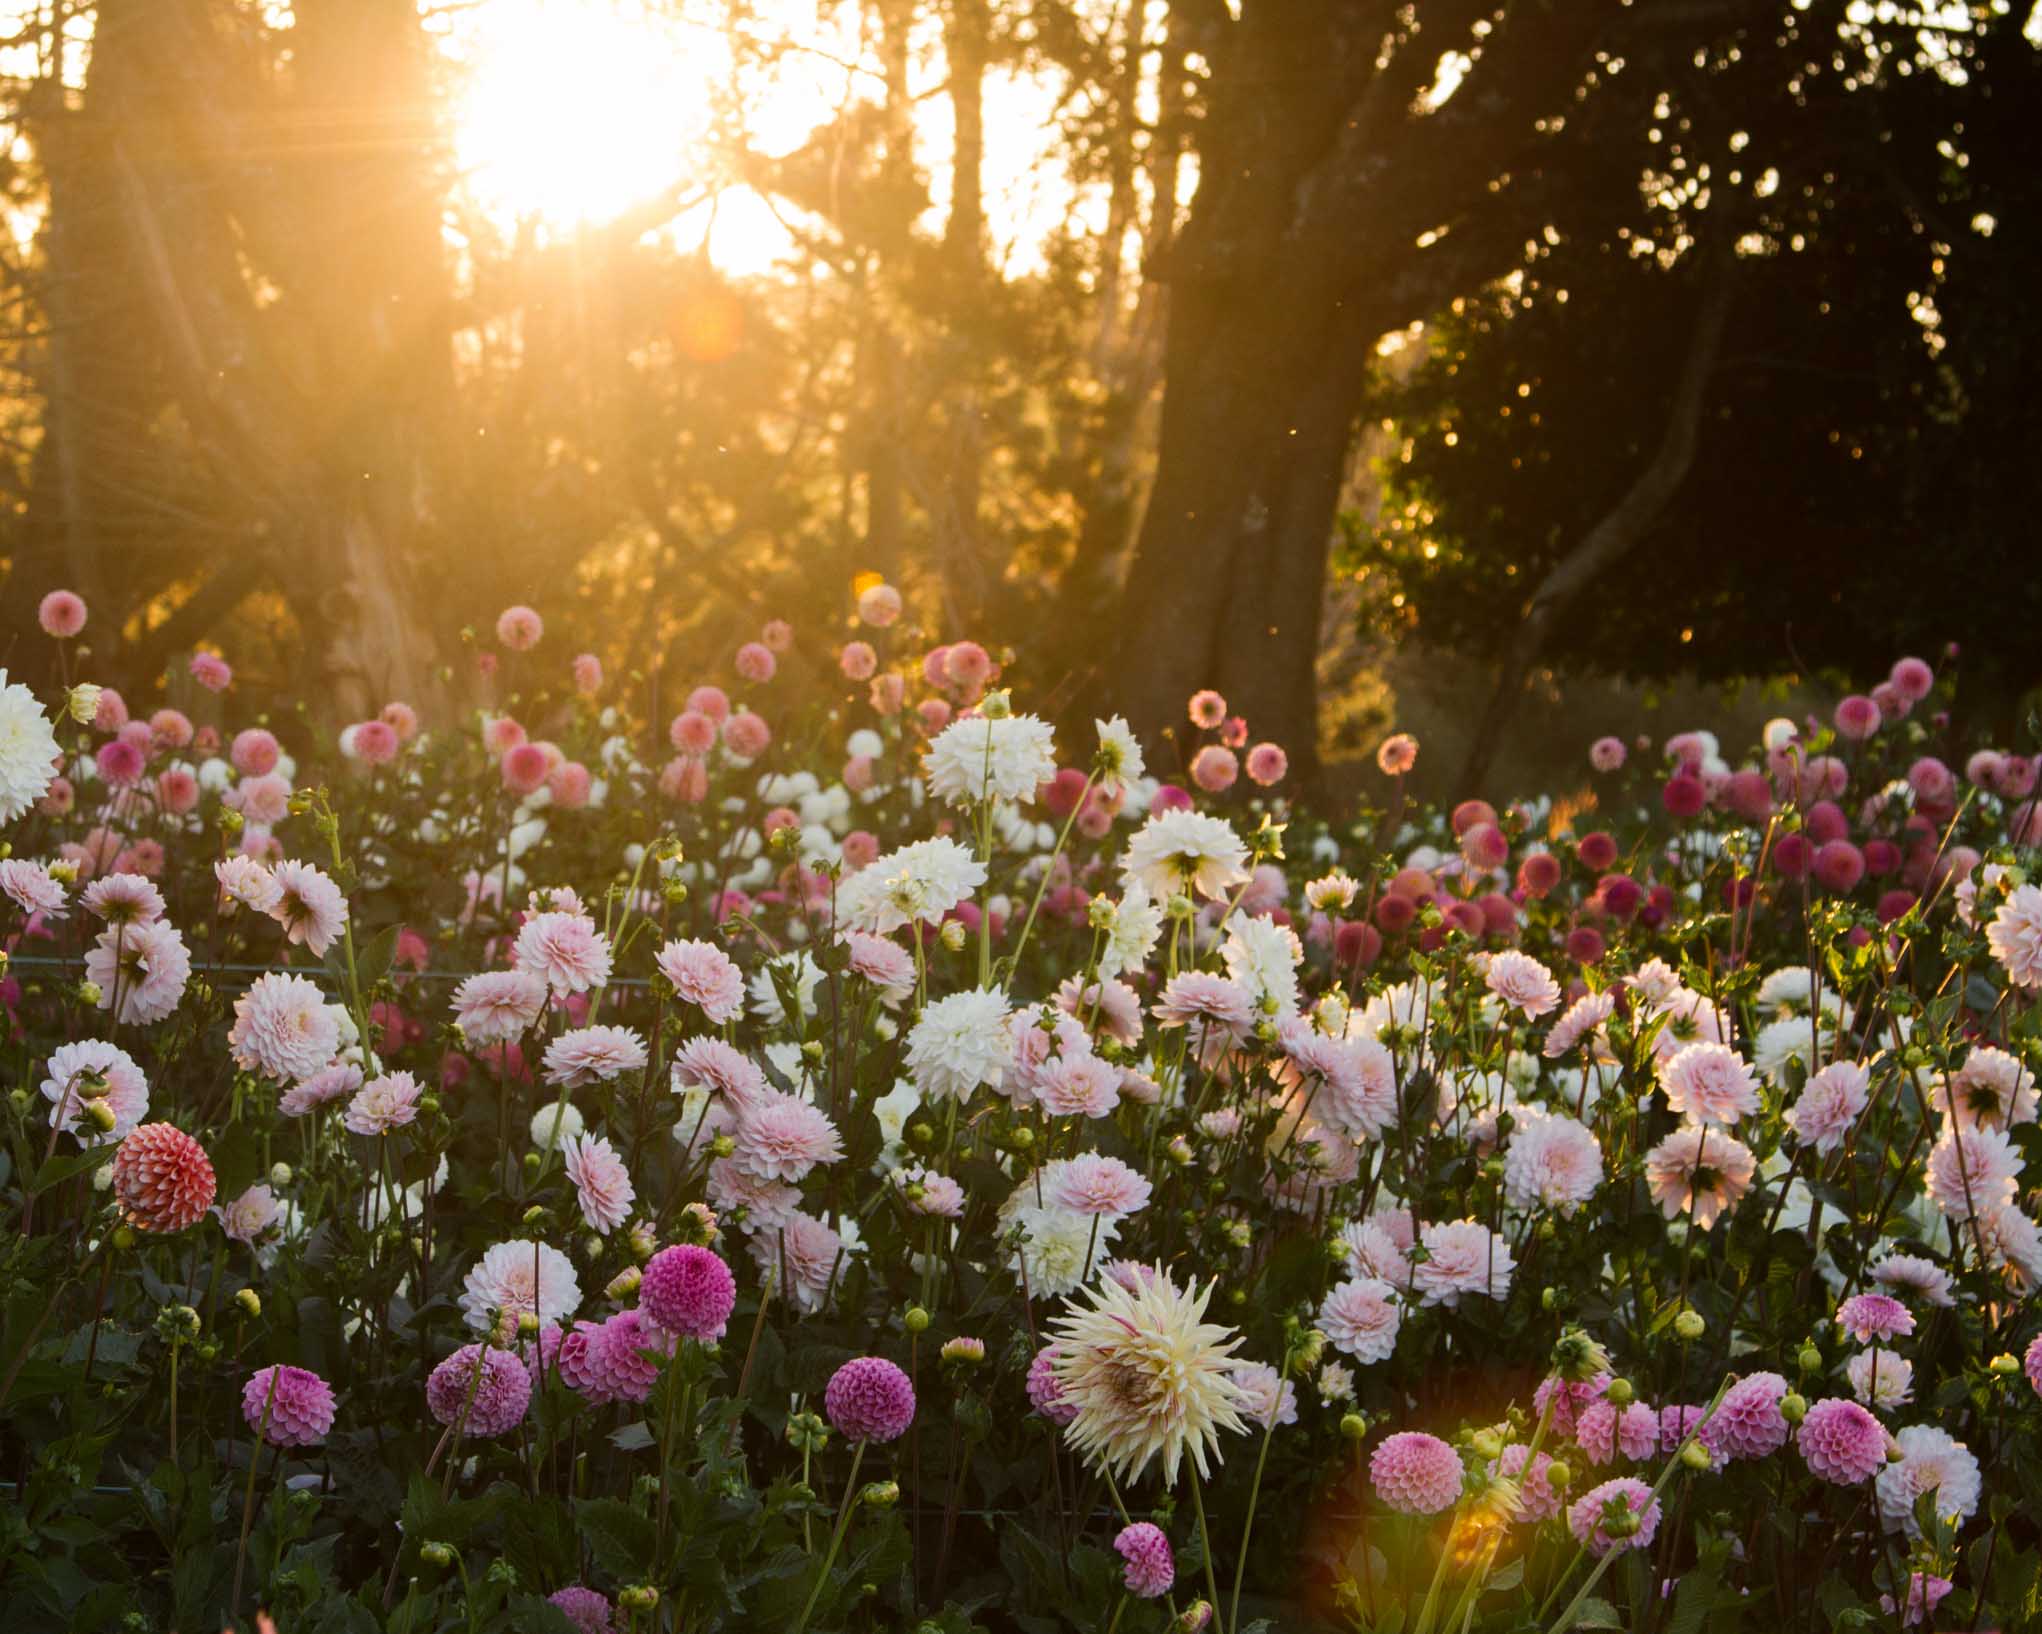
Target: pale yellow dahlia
[[1148, 1376]]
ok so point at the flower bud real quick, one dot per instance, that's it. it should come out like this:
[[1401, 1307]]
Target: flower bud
[[723, 1146], [1559, 1475], [18, 1099], [1793, 1407], [1620, 1393], [532, 1164], [176, 1324], [1180, 906], [643, 1242], [1577, 1358], [638, 1597], [528, 1324], [280, 1174], [250, 1301], [1354, 1426], [101, 1116], [1022, 1138], [2005, 1365], [1689, 1325], [89, 994], [921, 1134], [537, 1215], [83, 702], [964, 1350], [592, 1247], [624, 1284], [811, 1052], [1810, 1359], [123, 1237], [1487, 1444], [1695, 1455], [915, 1319], [436, 1554], [1101, 913], [1195, 1618], [952, 935], [881, 1494], [428, 1105]]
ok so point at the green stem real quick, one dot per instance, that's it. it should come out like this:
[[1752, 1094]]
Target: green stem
[[248, 1503], [836, 1538], [1212, 1587]]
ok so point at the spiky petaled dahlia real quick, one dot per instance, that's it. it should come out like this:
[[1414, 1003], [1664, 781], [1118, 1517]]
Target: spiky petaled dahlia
[[502, 1387], [987, 758], [1150, 1378], [287, 1406], [1842, 1442], [688, 1291], [1587, 1519], [869, 1399], [162, 1179], [1415, 1473]]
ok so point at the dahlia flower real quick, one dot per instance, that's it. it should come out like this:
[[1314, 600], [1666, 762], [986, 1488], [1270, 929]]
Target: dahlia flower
[[519, 1276], [492, 1387], [869, 1399], [1150, 1378], [28, 750], [1464, 1257], [1842, 1442], [1708, 1083], [498, 1006], [784, 1137], [1992, 1089], [142, 967], [702, 975], [1551, 1162], [1590, 1517], [989, 758], [1522, 983], [1150, 1568], [162, 1179], [1971, 1171], [593, 1055], [127, 1089], [383, 1104], [1829, 1104], [309, 906], [565, 950], [2015, 934], [1416, 1474], [960, 1043], [1699, 1171], [1361, 1317], [602, 1184], [288, 1406], [1185, 851], [918, 884]]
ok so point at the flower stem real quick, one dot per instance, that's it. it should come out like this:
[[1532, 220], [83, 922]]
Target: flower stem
[[1212, 1587], [836, 1538], [248, 1503]]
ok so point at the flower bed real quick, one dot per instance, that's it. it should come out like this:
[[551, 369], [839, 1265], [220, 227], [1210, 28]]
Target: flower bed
[[830, 1157]]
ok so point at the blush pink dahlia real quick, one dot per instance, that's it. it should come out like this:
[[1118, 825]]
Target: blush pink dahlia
[[1842, 1442], [383, 1104], [500, 1385], [688, 1291], [288, 1406], [1699, 1171], [1618, 1515], [309, 906], [703, 975], [869, 1399], [2015, 936], [1151, 1568], [127, 1089], [1046, 1391], [498, 1006], [593, 1055], [565, 950], [1830, 1103], [783, 1137], [283, 1029], [1874, 1316], [140, 969], [1708, 1083], [1416, 1474], [602, 1184], [1522, 983]]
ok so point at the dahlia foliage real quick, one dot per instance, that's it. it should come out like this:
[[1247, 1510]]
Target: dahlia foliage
[[840, 1155]]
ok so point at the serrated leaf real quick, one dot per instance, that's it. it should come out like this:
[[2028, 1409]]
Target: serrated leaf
[[621, 1539]]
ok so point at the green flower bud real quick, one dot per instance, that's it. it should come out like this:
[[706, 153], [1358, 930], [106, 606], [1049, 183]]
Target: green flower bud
[[1354, 1426], [1559, 1475], [1689, 1325], [532, 1165], [1620, 1393], [880, 1494], [1810, 1359], [100, 1116], [436, 1554], [1793, 1407], [250, 1301], [639, 1597], [280, 1174], [1487, 1444], [2005, 1365], [952, 935], [915, 1319], [1021, 1139], [1695, 1455]]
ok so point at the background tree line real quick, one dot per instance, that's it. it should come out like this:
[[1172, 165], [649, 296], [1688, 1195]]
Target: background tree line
[[1581, 335]]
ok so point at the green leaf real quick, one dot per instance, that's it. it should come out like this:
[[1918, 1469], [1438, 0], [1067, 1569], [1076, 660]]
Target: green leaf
[[1596, 1613], [621, 1539], [531, 1615], [59, 1169]]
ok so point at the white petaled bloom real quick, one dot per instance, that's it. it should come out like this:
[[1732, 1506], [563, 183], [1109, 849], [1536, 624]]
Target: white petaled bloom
[[520, 1276], [1149, 1379], [127, 1089], [1361, 1317], [1931, 1460], [1187, 852], [1120, 756], [1992, 1088], [1463, 1257], [1654, 981], [1262, 957], [1551, 1162], [986, 758], [1137, 925], [960, 1043], [1789, 1040], [555, 1124], [1267, 1398], [1335, 1382], [2015, 936], [1522, 983], [28, 750], [918, 884], [1057, 1244], [1880, 1378], [2013, 1244], [602, 1184]]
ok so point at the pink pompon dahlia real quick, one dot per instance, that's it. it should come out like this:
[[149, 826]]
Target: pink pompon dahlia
[[61, 614], [288, 1406], [500, 1384], [1046, 1391], [1842, 1442], [2031, 1363], [1151, 1568], [1416, 1474], [869, 1399], [1747, 1422], [585, 1608], [211, 671], [162, 1179], [1874, 1316], [519, 628], [1618, 1515], [689, 1291]]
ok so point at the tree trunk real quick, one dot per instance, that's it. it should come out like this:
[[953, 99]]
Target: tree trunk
[[1616, 534], [967, 25]]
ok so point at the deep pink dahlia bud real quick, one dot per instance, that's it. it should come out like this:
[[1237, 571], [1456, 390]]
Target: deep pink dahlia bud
[[503, 1390], [162, 1179], [689, 1291], [299, 1413], [1151, 1568], [1415, 1473], [869, 1399]]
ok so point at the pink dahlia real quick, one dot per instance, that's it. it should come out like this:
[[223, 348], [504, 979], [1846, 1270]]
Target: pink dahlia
[[1416, 1474], [711, 1064], [328, 1084], [1972, 1172], [1093, 1183], [1151, 1568], [288, 1406], [1874, 1316], [869, 1399], [565, 950], [211, 671], [1842, 1442], [383, 1104], [1699, 1171], [2031, 1363], [309, 906], [703, 975], [689, 1291], [2015, 936], [615, 1360], [31, 888], [519, 628], [1361, 1317], [1708, 1084], [783, 1137], [500, 1386], [593, 1055], [1925, 1592], [746, 735], [1822, 1114], [1463, 1257], [602, 1184], [585, 1608], [1046, 1390], [1537, 1501], [1747, 1422], [1624, 1504], [122, 899], [246, 883], [1522, 983], [140, 970], [283, 1029], [1397, 755], [498, 1006], [162, 1179], [61, 614]]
